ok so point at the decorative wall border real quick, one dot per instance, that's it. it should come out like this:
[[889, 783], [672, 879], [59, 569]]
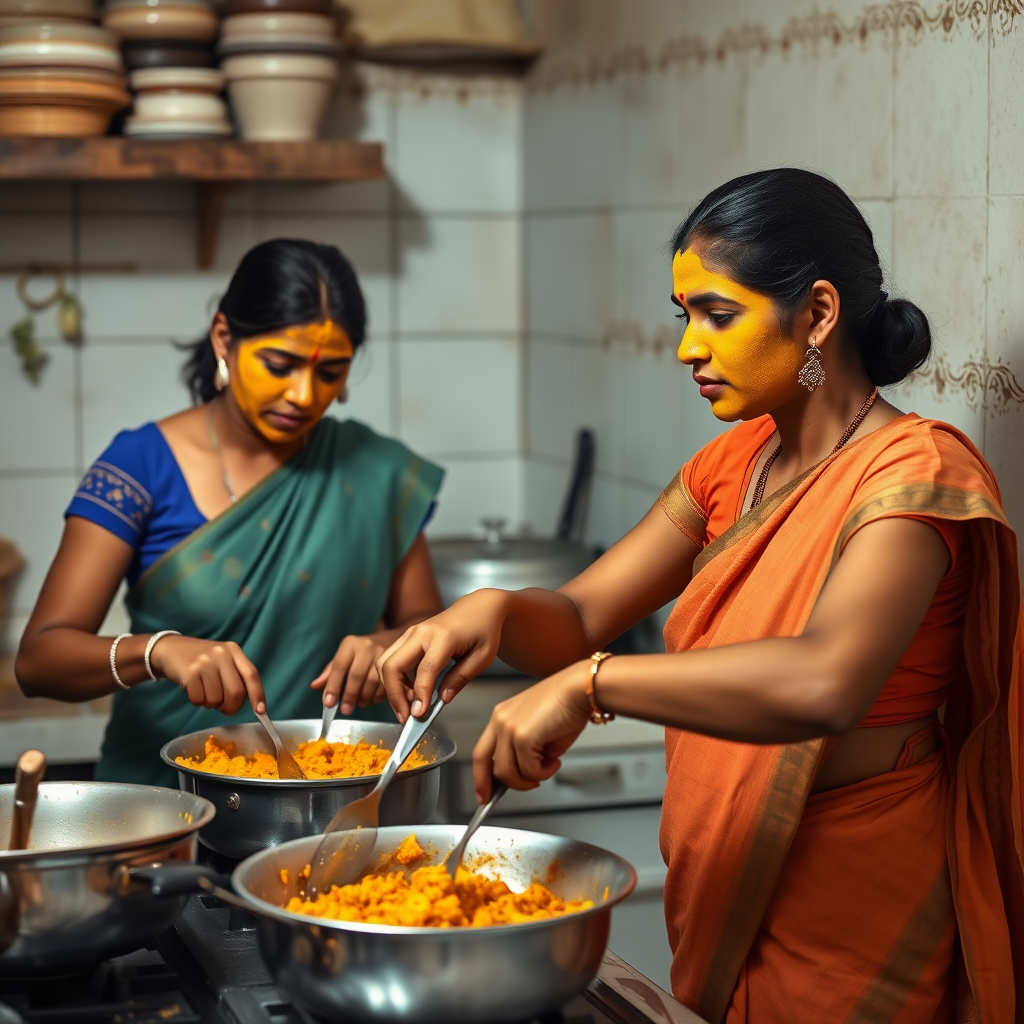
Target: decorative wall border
[[992, 385], [903, 19]]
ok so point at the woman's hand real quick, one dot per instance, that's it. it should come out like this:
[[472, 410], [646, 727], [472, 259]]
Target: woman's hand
[[528, 734], [469, 631], [352, 675], [212, 674]]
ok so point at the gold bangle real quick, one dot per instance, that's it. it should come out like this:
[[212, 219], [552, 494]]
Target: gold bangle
[[597, 716]]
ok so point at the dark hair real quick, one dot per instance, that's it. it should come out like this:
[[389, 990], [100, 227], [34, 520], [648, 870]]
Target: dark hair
[[779, 231], [281, 283]]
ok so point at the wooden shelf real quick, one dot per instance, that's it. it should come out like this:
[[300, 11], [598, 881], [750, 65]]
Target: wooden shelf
[[214, 165]]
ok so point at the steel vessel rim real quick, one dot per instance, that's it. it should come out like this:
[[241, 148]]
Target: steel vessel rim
[[465, 934], [235, 781], [68, 855]]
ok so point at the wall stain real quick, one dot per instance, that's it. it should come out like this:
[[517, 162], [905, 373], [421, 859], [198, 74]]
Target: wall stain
[[907, 20]]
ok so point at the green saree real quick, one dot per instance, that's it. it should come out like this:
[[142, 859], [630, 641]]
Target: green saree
[[297, 564]]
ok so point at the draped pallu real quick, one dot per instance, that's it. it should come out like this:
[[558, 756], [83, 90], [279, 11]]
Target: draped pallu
[[900, 898], [295, 565]]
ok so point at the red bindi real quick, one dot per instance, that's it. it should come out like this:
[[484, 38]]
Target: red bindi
[[682, 297], [315, 356]]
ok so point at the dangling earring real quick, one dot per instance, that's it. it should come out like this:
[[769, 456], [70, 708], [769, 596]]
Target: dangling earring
[[221, 378], [343, 397], [811, 374]]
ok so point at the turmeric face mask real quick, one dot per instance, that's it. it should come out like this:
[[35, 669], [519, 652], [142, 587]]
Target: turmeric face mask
[[284, 382], [743, 361]]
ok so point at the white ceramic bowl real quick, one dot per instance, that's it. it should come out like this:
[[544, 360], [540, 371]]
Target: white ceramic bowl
[[275, 24], [279, 98], [180, 106], [42, 54], [205, 80], [150, 129], [283, 44]]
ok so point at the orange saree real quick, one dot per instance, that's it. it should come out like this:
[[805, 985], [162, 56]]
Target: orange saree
[[898, 899]]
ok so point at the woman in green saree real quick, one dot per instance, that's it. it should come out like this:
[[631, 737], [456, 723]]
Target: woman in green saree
[[271, 553]]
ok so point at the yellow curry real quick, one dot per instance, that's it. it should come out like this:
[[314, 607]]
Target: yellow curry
[[318, 759], [428, 899]]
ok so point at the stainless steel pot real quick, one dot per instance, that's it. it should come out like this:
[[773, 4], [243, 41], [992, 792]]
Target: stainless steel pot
[[361, 972], [465, 564], [253, 814], [75, 902]]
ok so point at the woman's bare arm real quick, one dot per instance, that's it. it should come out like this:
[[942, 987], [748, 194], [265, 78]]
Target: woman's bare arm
[[776, 690], [540, 631], [61, 656]]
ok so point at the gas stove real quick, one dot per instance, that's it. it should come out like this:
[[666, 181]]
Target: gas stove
[[207, 969]]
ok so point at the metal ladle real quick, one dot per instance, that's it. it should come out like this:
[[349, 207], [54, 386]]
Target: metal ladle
[[350, 835], [287, 766]]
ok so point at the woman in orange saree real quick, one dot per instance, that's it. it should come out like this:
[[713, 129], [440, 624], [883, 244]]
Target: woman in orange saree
[[834, 852]]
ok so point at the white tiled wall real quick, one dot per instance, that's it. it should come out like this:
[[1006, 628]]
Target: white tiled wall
[[437, 247], [639, 107]]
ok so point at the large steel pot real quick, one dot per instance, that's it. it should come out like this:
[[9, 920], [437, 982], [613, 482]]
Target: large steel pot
[[75, 901], [378, 973], [253, 814], [465, 564]]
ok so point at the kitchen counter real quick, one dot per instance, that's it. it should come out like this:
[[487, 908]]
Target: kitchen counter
[[65, 733], [466, 717]]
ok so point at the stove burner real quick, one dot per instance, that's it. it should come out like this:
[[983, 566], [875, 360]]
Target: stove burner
[[138, 987], [207, 969]]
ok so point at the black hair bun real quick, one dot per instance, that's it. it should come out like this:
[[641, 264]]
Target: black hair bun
[[899, 343]]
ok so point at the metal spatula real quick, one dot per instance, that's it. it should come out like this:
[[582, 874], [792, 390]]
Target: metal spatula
[[498, 790], [351, 834], [287, 766]]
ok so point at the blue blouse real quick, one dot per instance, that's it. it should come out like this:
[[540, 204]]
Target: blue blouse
[[136, 490]]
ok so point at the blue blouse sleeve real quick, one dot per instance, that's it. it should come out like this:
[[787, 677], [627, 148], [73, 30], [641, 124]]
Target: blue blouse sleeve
[[114, 493]]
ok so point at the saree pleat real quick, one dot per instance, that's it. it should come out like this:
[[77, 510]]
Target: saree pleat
[[771, 890]]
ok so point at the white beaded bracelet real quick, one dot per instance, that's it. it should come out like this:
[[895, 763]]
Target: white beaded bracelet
[[152, 643], [113, 661]]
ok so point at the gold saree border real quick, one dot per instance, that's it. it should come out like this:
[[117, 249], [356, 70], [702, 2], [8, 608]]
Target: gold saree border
[[938, 500], [781, 812], [890, 988], [683, 510]]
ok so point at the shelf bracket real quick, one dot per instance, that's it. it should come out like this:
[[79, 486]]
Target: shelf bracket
[[211, 198]]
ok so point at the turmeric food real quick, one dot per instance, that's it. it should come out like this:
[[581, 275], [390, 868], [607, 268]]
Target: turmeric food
[[429, 899], [318, 759]]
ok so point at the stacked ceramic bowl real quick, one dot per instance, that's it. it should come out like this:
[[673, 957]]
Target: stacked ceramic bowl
[[280, 61], [177, 103], [59, 78], [164, 33], [24, 12]]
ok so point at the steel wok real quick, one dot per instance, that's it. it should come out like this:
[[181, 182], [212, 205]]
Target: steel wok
[[75, 902], [380, 973], [253, 814]]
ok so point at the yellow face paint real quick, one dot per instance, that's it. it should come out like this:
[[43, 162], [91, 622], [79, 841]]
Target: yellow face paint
[[285, 381], [743, 361]]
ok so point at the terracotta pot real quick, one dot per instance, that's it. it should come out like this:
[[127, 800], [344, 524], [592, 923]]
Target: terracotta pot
[[197, 24], [57, 107], [279, 97]]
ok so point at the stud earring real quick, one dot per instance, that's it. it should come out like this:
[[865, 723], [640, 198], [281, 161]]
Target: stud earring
[[811, 374], [221, 378]]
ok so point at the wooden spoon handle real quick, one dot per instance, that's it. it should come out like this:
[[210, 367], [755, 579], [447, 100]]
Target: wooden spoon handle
[[27, 775]]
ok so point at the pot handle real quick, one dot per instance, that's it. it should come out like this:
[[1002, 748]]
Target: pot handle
[[175, 878]]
